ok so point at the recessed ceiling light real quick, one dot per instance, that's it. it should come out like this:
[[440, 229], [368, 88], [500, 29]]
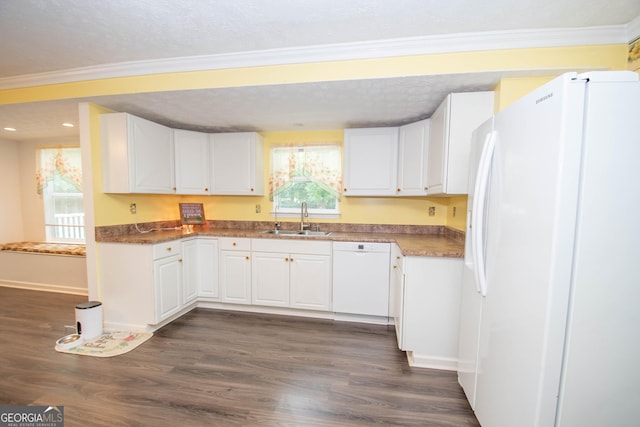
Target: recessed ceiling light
[[68, 125], [10, 129]]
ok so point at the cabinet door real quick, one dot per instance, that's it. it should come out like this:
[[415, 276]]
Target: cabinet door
[[167, 274], [237, 164], [190, 273], [450, 140], [310, 281], [468, 111], [235, 276], [270, 279], [431, 313], [396, 292], [412, 159], [192, 162], [137, 155], [370, 161], [438, 137], [208, 268], [126, 276], [151, 157]]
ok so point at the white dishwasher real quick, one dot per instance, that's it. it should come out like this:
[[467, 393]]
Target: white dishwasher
[[361, 278]]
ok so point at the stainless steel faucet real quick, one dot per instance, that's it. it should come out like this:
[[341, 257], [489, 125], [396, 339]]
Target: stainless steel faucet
[[303, 213], [276, 224]]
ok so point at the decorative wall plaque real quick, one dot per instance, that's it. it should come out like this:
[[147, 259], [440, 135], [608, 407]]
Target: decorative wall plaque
[[192, 213]]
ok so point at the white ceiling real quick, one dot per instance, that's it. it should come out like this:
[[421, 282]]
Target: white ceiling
[[48, 40]]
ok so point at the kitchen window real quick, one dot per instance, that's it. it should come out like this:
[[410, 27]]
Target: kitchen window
[[59, 182], [310, 173]]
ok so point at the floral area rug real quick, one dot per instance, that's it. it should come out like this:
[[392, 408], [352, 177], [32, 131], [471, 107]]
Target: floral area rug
[[109, 344]]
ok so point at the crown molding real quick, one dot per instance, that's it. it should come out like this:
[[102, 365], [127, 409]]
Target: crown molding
[[633, 30], [451, 43]]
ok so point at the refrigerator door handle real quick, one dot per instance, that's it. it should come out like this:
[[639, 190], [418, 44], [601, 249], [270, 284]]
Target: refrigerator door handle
[[479, 202]]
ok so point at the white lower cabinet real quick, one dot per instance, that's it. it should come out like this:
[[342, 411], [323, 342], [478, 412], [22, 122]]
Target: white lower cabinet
[[288, 273], [140, 284], [208, 268], [310, 280], [190, 271], [427, 309], [235, 270], [167, 279], [421, 294], [396, 291], [270, 279]]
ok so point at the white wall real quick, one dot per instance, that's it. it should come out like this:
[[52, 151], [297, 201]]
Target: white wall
[[10, 203]]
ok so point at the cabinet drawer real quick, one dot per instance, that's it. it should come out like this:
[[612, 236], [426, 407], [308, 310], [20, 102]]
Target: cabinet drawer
[[166, 249], [235, 243], [292, 246]]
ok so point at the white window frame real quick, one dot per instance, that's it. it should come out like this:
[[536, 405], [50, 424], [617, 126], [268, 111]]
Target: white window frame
[[62, 228], [318, 213]]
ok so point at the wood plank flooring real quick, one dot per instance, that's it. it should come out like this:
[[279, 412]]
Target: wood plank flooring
[[219, 368]]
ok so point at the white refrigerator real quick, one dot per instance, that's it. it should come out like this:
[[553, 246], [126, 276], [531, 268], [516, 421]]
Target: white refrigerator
[[550, 327]]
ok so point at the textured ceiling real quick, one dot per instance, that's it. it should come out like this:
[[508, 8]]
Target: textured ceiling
[[55, 35], [61, 34]]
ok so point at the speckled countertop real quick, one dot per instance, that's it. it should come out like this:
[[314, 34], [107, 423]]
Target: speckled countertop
[[432, 241]]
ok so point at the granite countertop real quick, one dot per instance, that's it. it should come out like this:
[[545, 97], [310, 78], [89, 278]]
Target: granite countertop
[[431, 241]]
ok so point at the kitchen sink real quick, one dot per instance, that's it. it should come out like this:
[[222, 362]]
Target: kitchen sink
[[297, 233], [282, 232], [313, 233]]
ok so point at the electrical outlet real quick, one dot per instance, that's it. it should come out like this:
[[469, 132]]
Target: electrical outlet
[[432, 210], [133, 208], [258, 209]]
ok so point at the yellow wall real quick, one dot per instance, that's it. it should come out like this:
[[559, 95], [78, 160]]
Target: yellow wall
[[457, 212], [114, 209], [512, 89], [577, 58]]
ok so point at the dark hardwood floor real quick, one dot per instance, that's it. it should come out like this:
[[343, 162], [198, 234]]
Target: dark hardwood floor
[[212, 368]]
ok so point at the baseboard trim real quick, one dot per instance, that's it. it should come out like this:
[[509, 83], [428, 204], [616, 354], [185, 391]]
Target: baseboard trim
[[431, 362], [46, 287], [284, 311]]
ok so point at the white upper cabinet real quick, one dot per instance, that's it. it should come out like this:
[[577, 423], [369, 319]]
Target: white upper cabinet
[[237, 164], [450, 139], [412, 159], [370, 161], [192, 162], [137, 155]]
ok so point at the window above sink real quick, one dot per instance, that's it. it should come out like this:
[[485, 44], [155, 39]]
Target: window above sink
[[310, 173]]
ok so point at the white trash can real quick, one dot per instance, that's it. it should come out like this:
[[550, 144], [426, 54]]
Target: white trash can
[[89, 319]]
